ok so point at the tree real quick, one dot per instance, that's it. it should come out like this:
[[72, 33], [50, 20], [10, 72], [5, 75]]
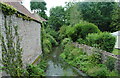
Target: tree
[[115, 25], [73, 15], [57, 17], [39, 7], [99, 13]]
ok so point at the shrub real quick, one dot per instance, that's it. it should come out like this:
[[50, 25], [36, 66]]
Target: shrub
[[71, 33], [110, 63], [103, 40], [66, 41], [52, 40], [81, 41], [62, 32], [37, 70], [47, 46], [95, 58], [81, 30], [84, 28], [48, 42], [52, 32], [98, 71], [34, 70]]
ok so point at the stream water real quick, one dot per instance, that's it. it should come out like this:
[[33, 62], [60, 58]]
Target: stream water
[[57, 67]]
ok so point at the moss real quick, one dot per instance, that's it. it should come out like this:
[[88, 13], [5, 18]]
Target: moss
[[10, 10], [7, 9], [25, 17], [37, 59]]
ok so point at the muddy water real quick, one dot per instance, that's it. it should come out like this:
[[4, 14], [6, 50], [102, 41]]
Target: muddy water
[[57, 67]]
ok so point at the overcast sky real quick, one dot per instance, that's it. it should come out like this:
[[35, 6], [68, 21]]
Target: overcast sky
[[50, 4]]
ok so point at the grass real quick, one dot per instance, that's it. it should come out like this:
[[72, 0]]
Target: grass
[[116, 51]]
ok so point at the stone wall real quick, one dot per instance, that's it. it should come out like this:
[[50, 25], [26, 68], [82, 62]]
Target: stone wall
[[105, 55], [29, 32]]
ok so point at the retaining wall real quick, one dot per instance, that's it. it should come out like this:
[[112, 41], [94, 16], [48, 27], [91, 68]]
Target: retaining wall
[[105, 55]]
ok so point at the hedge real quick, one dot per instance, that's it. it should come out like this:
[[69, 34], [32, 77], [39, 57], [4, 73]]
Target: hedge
[[103, 40]]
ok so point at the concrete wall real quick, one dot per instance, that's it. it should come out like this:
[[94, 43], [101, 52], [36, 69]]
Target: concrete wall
[[29, 32]]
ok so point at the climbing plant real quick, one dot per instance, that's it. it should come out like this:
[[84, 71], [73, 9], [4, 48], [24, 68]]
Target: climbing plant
[[11, 50], [8, 10]]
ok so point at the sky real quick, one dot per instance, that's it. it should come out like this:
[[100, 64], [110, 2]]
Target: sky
[[50, 4]]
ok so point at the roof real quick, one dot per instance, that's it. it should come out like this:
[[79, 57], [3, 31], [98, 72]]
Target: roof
[[38, 17], [20, 8], [117, 33]]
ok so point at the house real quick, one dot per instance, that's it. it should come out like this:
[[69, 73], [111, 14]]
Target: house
[[117, 35], [29, 29]]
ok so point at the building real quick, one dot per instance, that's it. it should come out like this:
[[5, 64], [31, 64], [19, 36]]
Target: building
[[117, 35], [29, 31]]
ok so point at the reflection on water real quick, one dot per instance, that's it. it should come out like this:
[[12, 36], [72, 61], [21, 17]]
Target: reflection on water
[[57, 67]]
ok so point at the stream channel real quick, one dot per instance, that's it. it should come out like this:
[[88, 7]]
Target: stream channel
[[58, 67]]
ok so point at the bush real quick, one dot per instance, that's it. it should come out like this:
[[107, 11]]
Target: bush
[[52, 40], [47, 46], [84, 28], [62, 32], [110, 63], [95, 58], [81, 41], [37, 70], [52, 32], [48, 42], [81, 30], [98, 71], [34, 70], [103, 40], [65, 41]]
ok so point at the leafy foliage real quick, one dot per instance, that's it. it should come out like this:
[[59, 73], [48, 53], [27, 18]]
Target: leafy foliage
[[103, 40], [66, 41], [110, 63], [11, 50], [81, 30], [57, 17], [48, 41], [37, 70], [7, 9], [88, 64], [39, 7], [62, 32], [99, 13], [81, 41]]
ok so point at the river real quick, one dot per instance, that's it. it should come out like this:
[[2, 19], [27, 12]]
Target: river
[[57, 66]]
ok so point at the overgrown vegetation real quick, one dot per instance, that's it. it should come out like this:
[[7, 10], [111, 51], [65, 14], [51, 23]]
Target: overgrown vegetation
[[103, 14], [37, 70], [48, 41], [11, 50], [90, 65], [103, 40]]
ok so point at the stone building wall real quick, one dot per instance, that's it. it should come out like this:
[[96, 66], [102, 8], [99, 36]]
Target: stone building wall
[[29, 32]]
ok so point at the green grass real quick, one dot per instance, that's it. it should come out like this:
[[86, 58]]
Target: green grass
[[116, 51]]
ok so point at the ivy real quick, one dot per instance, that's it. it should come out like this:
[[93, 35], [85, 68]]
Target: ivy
[[11, 50], [25, 17], [9, 10]]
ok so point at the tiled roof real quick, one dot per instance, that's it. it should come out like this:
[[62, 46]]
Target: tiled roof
[[20, 8]]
